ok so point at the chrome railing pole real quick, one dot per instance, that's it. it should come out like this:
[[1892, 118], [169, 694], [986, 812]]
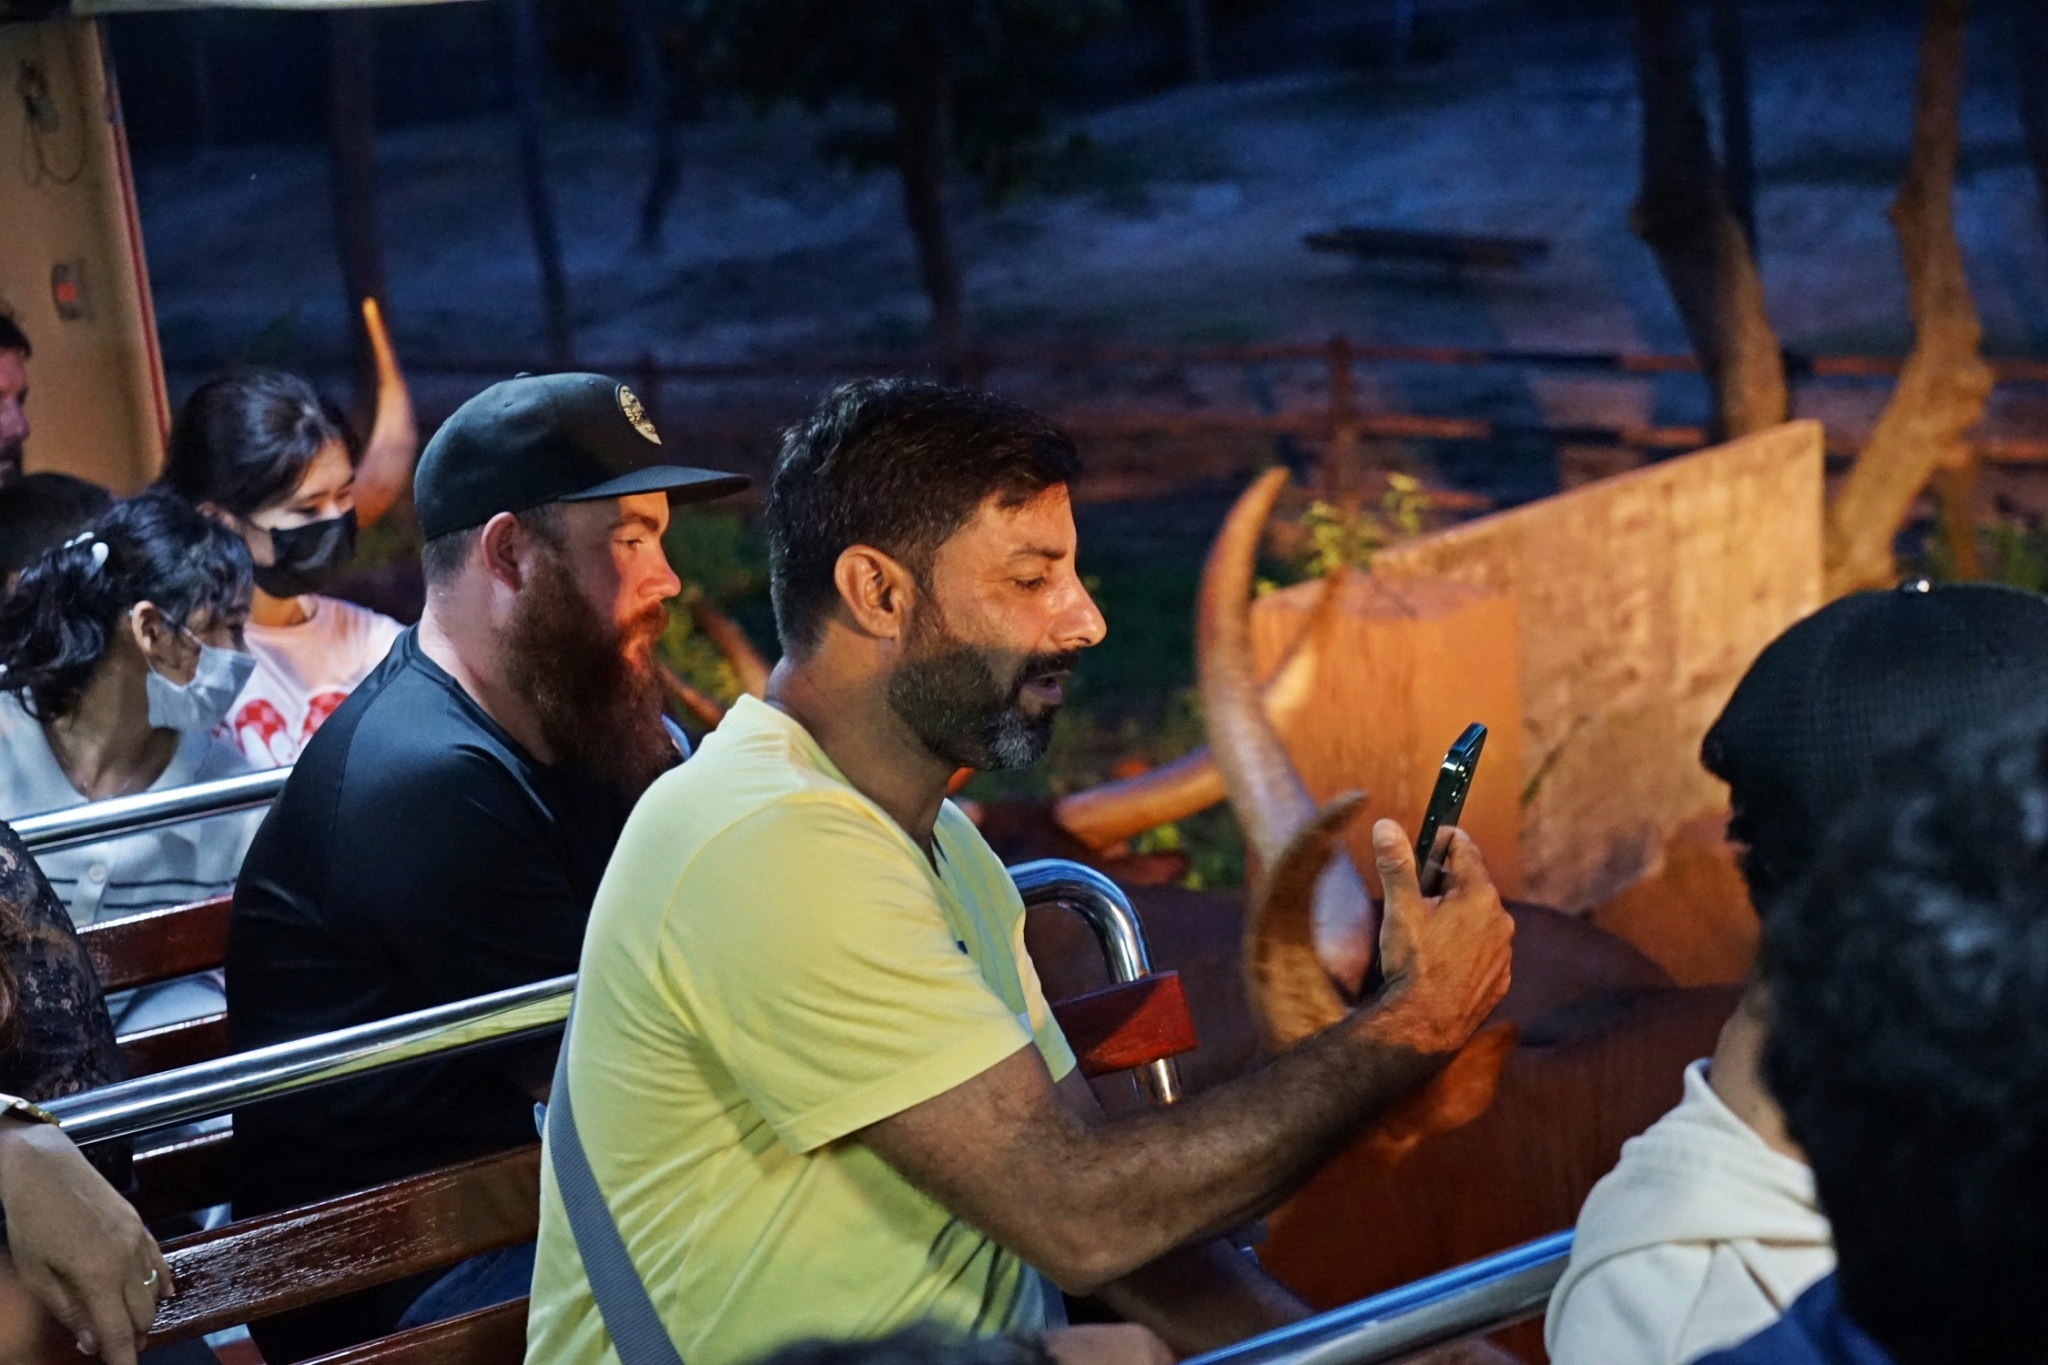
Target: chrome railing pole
[[1479, 1296], [120, 815], [1108, 913], [217, 1086]]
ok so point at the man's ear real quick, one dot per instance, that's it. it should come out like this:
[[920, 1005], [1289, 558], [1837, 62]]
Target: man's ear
[[502, 545], [876, 590]]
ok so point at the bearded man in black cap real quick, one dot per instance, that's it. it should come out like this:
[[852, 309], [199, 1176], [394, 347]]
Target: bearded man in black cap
[[443, 834], [1710, 1228]]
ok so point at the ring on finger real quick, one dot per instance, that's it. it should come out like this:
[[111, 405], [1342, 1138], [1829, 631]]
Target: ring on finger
[[149, 1280]]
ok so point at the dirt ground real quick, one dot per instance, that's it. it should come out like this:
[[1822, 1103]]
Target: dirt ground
[[1176, 219]]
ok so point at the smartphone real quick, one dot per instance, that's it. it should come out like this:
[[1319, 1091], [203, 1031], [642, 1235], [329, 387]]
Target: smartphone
[[1446, 806]]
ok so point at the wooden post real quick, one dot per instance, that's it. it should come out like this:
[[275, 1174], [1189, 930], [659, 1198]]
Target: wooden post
[[1407, 664], [540, 209], [352, 127], [651, 94], [1340, 465], [1738, 142], [1682, 215], [922, 101], [2033, 54]]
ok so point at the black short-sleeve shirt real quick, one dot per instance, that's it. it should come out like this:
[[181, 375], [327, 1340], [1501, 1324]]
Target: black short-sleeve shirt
[[417, 856]]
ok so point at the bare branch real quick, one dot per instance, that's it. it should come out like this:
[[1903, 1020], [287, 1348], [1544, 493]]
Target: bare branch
[[1682, 214], [1941, 390]]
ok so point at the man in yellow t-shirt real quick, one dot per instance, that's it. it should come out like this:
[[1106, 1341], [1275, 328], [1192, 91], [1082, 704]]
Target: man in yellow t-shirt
[[812, 1068]]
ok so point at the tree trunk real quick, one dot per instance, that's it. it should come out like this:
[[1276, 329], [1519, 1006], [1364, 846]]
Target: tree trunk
[[1941, 390], [199, 64], [1738, 141], [923, 145], [352, 128], [651, 91], [527, 88], [1194, 16], [2033, 51], [1682, 214]]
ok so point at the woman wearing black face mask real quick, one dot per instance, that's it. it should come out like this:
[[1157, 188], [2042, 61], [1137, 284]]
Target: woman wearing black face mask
[[263, 453]]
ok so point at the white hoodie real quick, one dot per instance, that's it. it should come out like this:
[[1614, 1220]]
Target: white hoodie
[[1698, 1238]]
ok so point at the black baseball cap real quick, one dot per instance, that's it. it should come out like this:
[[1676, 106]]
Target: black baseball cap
[[544, 438], [1859, 680]]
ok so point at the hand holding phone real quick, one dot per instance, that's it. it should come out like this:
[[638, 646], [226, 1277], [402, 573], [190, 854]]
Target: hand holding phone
[[1446, 807]]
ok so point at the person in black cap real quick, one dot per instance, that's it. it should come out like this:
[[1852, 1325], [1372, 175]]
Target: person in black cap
[[1709, 1228], [14, 355], [443, 834], [41, 511]]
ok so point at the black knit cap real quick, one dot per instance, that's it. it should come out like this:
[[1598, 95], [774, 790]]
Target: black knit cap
[[548, 438], [1858, 680]]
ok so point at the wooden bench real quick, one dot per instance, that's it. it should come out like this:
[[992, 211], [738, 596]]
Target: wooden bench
[[259, 1267]]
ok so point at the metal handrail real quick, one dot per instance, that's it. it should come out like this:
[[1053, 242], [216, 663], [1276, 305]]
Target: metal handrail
[[1109, 914], [215, 1087], [1479, 1296], [118, 815], [1473, 1298]]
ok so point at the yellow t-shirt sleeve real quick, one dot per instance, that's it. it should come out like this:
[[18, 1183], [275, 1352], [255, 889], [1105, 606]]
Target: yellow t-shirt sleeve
[[817, 964]]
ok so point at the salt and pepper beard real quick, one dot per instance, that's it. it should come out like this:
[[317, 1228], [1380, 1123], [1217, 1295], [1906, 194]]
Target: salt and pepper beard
[[947, 692], [590, 681]]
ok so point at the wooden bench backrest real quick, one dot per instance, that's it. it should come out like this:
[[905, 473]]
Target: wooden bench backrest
[[260, 1267], [159, 945], [1111, 1030]]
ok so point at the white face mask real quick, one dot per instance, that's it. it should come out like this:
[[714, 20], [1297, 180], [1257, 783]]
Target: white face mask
[[203, 703]]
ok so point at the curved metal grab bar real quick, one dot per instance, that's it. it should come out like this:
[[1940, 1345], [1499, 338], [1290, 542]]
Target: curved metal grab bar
[[214, 1087], [97, 820], [1108, 912], [1479, 1296]]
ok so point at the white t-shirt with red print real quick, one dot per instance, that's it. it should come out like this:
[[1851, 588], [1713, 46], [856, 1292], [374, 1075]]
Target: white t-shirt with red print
[[302, 673]]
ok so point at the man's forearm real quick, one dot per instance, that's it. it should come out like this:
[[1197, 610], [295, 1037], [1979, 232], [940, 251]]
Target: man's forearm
[[1169, 1177], [1091, 1205], [1203, 1296]]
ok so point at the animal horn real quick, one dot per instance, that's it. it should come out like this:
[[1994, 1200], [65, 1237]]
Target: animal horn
[[732, 642], [1268, 795], [1106, 815], [705, 709], [1290, 992]]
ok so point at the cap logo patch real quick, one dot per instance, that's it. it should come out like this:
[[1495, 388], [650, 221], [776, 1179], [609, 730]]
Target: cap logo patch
[[637, 415]]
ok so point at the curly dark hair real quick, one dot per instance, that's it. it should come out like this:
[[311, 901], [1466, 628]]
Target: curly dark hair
[[57, 621], [1908, 981], [899, 464]]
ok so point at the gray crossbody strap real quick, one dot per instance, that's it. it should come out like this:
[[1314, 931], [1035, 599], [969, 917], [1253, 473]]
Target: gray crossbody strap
[[629, 1316]]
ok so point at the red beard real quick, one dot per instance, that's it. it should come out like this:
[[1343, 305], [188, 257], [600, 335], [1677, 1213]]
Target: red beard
[[592, 683]]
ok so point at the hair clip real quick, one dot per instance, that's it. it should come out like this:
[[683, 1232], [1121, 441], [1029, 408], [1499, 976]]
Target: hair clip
[[78, 540], [99, 555]]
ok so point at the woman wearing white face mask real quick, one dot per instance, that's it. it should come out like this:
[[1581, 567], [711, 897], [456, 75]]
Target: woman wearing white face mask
[[122, 652]]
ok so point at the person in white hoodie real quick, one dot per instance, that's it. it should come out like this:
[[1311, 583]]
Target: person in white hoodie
[[1708, 1228]]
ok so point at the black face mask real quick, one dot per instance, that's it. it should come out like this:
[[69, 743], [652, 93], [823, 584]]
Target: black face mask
[[308, 558]]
